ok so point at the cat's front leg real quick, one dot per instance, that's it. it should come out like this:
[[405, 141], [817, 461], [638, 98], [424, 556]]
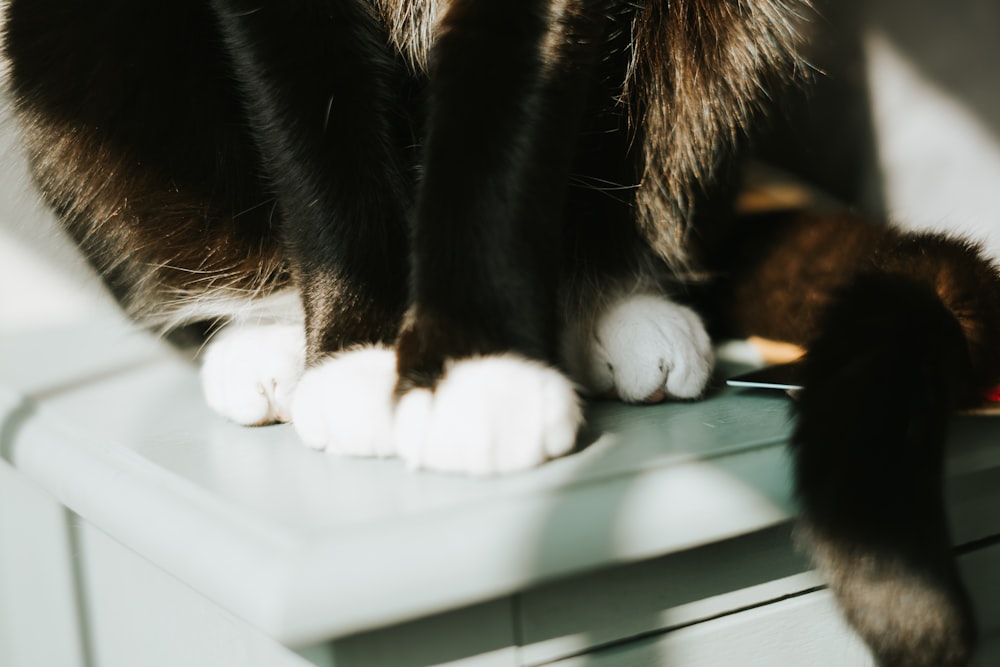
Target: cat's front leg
[[488, 414], [323, 93], [484, 415], [477, 392], [478, 389]]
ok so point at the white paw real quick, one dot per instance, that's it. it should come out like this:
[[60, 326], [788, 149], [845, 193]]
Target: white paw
[[643, 348], [345, 404], [249, 373], [489, 415]]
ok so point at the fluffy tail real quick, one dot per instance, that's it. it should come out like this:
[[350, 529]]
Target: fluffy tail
[[881, 379], [903, 330]]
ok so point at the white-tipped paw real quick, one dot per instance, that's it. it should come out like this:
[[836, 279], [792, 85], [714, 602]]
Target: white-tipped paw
[[644, 348], [249, 373], [489, 415], [345, 404]]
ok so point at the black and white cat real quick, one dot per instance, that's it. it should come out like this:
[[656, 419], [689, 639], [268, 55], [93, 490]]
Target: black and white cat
[[425, 223]]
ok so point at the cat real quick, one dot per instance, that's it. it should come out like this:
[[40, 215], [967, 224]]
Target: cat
[[424, 225]]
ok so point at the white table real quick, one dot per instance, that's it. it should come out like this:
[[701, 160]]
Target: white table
[[138, 529]]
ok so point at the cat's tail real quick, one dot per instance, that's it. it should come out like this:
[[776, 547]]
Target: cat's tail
[[880, 381], [898, 347]]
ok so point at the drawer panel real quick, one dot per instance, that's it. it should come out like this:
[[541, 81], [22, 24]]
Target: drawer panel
[[800, 631], [610, 605], [137, 614]]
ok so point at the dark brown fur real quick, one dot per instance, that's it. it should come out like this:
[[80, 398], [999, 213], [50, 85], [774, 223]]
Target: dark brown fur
[[695, 90]]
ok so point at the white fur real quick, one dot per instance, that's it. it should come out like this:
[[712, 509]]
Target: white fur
[[249, 373], [487, 415], [344, 405], [283, 306], [642, 347]]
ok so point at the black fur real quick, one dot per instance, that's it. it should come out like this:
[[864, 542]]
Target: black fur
[[467, 177], [901, 330], [326, 97], [880, 378]]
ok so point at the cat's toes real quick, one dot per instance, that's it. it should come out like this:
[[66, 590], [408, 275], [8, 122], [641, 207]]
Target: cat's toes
[[489, 415], [345, 404], [645, 348], [249, 373]]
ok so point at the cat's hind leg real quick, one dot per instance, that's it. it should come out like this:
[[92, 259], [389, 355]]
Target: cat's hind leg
[[135, 139], [623, 334], [638, 346], [249, 372]]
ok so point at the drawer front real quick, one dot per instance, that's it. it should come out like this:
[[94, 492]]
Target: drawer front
[[804, 630], [137, 614], [39, 620], [614, 605]]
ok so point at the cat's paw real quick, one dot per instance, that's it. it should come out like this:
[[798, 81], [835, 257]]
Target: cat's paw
[[643, 348], [488, 415], [249, 373], [345, 404]]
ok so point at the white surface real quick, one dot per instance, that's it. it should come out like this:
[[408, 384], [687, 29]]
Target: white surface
[[307, 546], [121, 436]]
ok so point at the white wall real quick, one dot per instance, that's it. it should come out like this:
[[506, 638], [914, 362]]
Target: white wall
[[43, 280], [934, 76]]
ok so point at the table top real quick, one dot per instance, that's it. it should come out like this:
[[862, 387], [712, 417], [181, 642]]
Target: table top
[[308, 547]]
